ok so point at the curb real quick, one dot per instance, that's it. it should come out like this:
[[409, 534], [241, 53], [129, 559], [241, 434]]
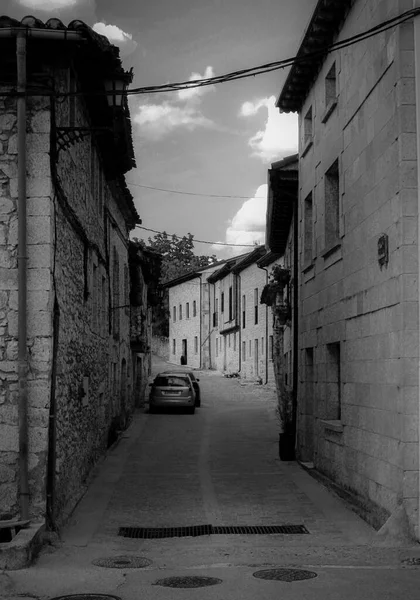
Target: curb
[[24, 547]]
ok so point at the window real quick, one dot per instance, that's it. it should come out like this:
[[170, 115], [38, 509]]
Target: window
[[307, 128], [243, 312], [308, 230], [173, 346], [187, 310], [270, 347], [174, 313], [256, 306], [180, 312], [222, 302], [196, 344], [332, 205], [330, 93], [230, 303], [243, 350], [333, 381], [194, 308]]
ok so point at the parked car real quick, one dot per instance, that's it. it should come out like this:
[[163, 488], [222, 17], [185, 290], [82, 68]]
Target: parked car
[[172, 389], [195, 381]]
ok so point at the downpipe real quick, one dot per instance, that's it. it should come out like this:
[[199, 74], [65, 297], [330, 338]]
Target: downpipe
[[22, 278]]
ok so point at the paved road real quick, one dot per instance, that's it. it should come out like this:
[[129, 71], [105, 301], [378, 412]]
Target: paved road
[[220, 467]]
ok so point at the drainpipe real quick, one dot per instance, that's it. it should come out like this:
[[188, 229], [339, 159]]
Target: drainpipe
[[266, 326], [416, 4], [22, 277]]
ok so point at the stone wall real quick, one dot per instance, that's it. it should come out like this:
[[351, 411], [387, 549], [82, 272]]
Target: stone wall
[[359, 317], [39, 316]]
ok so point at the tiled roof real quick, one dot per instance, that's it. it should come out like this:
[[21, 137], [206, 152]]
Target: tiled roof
[[95, 59], [323, 27]]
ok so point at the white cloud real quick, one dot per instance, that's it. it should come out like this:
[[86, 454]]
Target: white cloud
[[156, 120], [279, 138], [49, 5], [188, 94], [117, 36], [182, 111], [248, 224]]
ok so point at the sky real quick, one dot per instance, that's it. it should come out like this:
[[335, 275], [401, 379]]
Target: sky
[[218, 140]]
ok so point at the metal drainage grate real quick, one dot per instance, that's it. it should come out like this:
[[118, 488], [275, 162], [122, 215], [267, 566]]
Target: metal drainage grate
[[123, 562], [288, 575], [259, 529], [188, 582], [194, 531], [164, 532], [86, 597]]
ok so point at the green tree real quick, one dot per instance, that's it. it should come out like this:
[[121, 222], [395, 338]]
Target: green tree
[[178, 259]]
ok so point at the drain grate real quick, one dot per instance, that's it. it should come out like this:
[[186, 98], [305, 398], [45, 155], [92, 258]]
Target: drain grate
[[196, 530], [288, 575], [259, 529], [123, 562], [164, 532], [86, 597], [188, 582]]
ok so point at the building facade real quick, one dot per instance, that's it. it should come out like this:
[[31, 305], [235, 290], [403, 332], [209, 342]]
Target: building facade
[[358, 255], [67, 378]]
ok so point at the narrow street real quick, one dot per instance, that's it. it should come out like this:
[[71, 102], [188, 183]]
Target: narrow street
[[218, 467]]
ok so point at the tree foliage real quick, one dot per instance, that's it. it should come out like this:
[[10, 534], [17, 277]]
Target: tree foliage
[[178, 259], [178, 255]]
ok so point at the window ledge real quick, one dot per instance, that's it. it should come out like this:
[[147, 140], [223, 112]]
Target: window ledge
[[333, 425], [306, 147], [328, 110]]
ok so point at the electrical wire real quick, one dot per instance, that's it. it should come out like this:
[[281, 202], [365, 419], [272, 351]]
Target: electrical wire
[[198, 241], [250, 72], [149, 187]]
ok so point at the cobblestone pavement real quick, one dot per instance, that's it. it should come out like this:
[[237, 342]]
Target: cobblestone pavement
[[220, 467]]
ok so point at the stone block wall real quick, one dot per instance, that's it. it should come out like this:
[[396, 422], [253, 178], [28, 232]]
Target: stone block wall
[[359, 317], [39, 316]]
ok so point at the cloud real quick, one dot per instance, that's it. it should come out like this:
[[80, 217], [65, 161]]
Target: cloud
[[199, 91], [279, 138], [248, 224], [182, 111], [117, 36]]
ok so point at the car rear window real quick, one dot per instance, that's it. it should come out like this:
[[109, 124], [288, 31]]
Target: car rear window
[[171, 381]]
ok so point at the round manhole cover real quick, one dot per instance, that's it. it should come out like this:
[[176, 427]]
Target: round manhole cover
[[285, 574], [187, 582], [87, 597], [123, 562]]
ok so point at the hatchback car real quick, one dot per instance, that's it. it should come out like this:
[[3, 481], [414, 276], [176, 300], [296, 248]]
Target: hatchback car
[[172, 389], [194, 380]]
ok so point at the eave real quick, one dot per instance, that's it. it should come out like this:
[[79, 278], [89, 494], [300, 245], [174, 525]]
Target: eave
[[324, 26]]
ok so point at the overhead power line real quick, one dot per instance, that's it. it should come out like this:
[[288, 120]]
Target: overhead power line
[[149, 187], [245, 73], [198, 241]]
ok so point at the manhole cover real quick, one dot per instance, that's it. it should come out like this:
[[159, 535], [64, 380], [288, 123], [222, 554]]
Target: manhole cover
[[87, 597], [187, 582], [285, 574], [123, 562], [411, 562]]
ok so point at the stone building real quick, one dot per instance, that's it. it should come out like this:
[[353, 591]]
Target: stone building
[[66, 364], [190, 323], [358, 253]]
